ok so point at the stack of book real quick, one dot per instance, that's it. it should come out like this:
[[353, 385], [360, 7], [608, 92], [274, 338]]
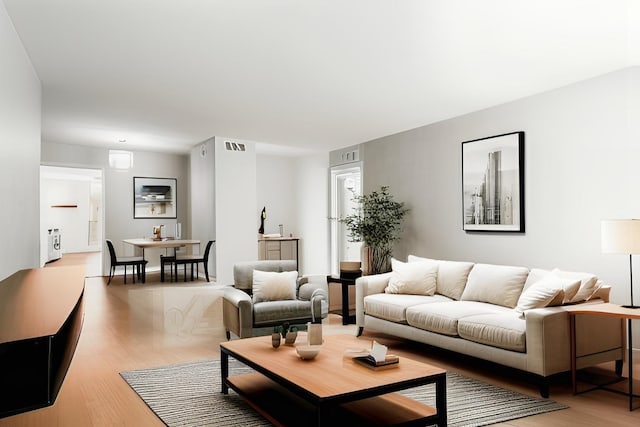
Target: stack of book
[[375, 358]]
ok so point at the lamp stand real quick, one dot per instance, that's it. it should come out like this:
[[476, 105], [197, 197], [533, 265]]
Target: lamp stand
[[631, 284]]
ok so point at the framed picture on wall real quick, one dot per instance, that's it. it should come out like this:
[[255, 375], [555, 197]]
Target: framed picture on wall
[[493, 183], [154, 197]]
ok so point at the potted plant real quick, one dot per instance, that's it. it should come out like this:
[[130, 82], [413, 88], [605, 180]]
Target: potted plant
[[377, 223]]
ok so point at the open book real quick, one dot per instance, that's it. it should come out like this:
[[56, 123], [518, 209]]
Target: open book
[[376, 356]]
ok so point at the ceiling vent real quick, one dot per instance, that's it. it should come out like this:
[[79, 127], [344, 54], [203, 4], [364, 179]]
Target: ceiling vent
[[234, 146]]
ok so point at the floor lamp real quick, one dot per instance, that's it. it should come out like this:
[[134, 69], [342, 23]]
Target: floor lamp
[[622, 236]]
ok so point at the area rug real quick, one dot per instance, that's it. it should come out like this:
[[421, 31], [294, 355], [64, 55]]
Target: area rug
[[189, 395]]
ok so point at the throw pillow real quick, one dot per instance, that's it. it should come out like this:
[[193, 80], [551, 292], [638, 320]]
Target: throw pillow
[[550, 290], [587, 284], [416, 278], [272, 286]]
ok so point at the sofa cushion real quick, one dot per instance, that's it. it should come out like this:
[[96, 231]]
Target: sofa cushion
[[504, 330], [443, 317], [416, 278], [587, 284], [272, 286], [393, 307], [495, 284], [452, 276], [268, 312]]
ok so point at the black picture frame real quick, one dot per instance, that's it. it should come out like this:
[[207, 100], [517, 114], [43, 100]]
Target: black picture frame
[[493, 184], [154, 197]]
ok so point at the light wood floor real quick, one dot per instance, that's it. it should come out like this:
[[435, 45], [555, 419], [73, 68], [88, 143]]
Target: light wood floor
[[155, 324]]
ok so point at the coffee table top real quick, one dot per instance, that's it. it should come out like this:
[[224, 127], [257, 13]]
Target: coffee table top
[[330, 374]]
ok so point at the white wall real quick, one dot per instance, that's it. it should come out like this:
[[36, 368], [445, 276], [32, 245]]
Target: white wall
[[312, 189], [582, 148], [203, 212], [118, 191], [235, 204], [20, 122], [73, 223], [276, 191]]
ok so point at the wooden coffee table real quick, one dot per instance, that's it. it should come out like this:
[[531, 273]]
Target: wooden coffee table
[[290, 391]]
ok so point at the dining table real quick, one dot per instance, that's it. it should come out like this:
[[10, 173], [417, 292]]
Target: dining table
[[163, 243]]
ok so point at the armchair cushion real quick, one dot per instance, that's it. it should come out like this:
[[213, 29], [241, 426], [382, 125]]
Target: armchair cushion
[[272, 286]]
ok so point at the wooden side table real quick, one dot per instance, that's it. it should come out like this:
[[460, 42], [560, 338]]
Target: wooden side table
[[607, 310], [345, 282]]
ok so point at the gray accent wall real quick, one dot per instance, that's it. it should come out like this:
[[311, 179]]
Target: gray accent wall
[[20, 123], [582, 151]]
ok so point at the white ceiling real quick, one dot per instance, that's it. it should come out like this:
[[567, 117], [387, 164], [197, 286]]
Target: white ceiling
[[308, 75]]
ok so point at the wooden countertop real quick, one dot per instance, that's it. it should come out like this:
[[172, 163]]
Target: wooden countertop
[[36, 302]]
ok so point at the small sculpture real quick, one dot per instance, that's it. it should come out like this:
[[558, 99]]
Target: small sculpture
[[263, 216]]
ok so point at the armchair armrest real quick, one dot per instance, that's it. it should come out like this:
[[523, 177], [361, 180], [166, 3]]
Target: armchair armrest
[[237, 312], [318, 294]]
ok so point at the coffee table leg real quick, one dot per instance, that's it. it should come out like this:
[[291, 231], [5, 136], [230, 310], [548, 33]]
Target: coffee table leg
[[224, 371], [441, 400]]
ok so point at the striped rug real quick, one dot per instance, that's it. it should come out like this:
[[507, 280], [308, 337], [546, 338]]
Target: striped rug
[[189, 395]]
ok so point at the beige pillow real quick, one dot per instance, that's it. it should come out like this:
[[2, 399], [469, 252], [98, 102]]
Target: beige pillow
[[272, 286], [415, 278], [587, 284], [550, 290], [452, 276], [495, 284]]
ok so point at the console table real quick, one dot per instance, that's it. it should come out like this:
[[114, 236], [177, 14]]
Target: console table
[[41, 312]]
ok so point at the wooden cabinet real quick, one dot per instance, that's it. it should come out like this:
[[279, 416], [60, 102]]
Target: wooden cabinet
[[277, 248]]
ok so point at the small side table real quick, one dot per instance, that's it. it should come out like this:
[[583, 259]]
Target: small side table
[[345, 282], [607, 310]]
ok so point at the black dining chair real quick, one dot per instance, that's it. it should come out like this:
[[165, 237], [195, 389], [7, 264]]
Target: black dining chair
[[194, 260], [137, 262]]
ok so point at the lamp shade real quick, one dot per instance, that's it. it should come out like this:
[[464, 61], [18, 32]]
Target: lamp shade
[[621, 236]]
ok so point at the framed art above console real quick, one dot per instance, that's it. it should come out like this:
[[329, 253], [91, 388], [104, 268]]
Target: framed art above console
[[493, 183]]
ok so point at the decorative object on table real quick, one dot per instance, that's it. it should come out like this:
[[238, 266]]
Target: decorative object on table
[[375, 358], [290, 337], [314, 333], [377, 223], [308, 351], [281, 226], [275, 339], [154, 197], [493, 183], [622, 236], [263, 216]]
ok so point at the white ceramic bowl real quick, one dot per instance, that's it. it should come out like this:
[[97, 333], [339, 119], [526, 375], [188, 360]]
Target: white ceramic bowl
[[307, 352]]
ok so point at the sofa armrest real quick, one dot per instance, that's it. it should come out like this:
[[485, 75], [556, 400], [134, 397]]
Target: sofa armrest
[[367, 285], [549, 341], [237, 312]]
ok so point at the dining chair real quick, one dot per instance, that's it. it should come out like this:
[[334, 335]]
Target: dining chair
[[137, 262], [164, 260], [193, 260]]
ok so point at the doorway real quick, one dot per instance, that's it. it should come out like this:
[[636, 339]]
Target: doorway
[[346, 183], [71, 209]]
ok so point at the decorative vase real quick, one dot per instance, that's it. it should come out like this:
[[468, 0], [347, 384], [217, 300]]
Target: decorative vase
[[275, 339], [290, 338]]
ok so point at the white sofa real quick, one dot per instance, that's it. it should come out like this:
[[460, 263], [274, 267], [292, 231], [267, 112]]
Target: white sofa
[[492, 312]]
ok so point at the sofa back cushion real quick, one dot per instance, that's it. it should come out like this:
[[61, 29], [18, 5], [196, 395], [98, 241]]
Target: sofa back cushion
[[495, 284], [452, 276], [415, 278]]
